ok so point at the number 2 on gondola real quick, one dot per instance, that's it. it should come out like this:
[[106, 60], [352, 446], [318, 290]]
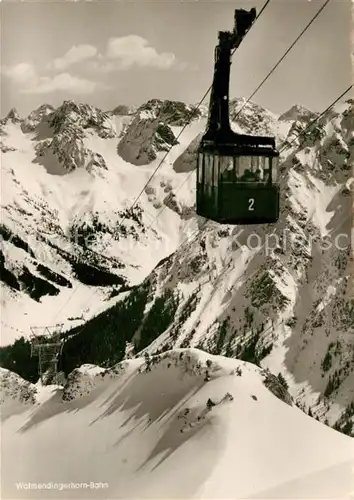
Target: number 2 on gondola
[[250, 203]]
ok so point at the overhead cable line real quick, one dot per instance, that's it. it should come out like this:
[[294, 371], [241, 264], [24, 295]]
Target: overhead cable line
[[312, 122], [194, 111], [285, 54], [285, 146], [259, 86], [257, 89], [198, 231], [188, 123]]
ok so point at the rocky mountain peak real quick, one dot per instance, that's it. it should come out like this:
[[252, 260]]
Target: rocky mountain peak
[[12, 116], [150, 131], [84, 117], [32, 121], [298, 112], [173, 113], [68, 127]]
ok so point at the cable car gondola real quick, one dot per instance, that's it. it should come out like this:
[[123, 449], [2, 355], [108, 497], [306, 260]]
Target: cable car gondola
[[236, 174]]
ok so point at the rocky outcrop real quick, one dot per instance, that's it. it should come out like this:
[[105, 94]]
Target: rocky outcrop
[[16, 389], [144, 138], [32, 121]]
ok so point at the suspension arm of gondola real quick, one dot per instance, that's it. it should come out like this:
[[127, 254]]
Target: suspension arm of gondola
[[218, 120]]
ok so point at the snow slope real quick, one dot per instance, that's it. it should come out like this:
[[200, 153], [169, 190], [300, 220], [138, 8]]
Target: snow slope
[[286, 304], [144, 430], [62, 181]]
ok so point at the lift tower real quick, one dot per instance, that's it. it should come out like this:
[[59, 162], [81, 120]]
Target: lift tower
[[47, 345]]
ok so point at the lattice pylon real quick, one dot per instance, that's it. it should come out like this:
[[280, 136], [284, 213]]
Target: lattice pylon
[[47, 345]]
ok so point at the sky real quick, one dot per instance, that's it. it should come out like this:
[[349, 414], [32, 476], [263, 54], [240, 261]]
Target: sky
[[107, 53]]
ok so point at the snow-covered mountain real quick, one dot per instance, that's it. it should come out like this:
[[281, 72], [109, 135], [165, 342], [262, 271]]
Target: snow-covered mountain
[[65, 208], [184, 424], [277, 295]]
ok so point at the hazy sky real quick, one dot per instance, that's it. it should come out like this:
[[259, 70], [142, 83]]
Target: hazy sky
[[107, 53]]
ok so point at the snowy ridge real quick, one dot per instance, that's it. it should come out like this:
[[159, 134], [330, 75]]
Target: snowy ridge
[[147, 418], [15, 389]]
